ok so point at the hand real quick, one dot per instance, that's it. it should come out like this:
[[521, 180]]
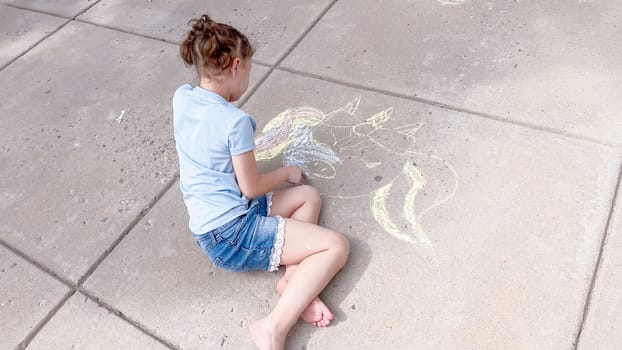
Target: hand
[[295, 175]]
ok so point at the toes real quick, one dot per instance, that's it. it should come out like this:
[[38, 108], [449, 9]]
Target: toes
[[322, 323]]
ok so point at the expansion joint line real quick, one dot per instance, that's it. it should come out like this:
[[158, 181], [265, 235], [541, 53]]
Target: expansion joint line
[[73, 287], [286, 53], [31, 47], [69, 20], [588, 300], [127, 230], [446, 106], [35, 330]]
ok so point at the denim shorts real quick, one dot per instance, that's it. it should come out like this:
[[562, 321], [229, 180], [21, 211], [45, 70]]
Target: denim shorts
[[253, 241]]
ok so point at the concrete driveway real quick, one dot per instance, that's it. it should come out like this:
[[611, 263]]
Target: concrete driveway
[[471, 151]]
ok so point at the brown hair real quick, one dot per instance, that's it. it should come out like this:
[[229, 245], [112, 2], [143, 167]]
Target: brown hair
[[211, 46]]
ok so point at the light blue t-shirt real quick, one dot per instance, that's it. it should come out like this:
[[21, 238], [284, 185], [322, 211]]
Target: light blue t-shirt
[[208, 131]]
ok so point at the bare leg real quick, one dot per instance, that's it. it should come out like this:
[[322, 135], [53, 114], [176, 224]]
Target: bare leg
[[301, 203], [319, 253]]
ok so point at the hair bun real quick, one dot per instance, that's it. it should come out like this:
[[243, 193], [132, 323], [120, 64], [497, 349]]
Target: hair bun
[[212, 46], [202, 25], [204, 19]]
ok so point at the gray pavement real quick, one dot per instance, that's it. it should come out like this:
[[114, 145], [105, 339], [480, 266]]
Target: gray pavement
[[469, 149]]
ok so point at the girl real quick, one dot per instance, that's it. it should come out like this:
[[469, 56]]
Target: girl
[[235, 218]]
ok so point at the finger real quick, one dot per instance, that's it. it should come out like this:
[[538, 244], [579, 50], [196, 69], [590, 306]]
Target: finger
[[304, 179]]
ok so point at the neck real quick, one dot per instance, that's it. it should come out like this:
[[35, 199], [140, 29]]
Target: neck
[[216, 87]]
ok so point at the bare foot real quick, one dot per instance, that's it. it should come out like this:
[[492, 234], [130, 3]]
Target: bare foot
[[265, 337], [317, 313]]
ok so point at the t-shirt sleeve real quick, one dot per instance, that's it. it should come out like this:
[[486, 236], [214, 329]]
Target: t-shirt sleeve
[[241, 137]]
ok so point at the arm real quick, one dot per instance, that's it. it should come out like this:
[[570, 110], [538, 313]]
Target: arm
[[253, 184]]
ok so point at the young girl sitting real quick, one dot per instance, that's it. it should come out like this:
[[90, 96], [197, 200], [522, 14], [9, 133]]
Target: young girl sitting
[[236, 216]]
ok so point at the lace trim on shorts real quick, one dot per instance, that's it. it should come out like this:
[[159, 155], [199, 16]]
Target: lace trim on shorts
[[269, 202], [277, 249]]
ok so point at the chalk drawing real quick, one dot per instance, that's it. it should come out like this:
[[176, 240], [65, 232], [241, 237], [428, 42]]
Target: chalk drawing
[[359, 147], [291, 134]]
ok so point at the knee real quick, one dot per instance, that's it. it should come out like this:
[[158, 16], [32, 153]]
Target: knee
[[342, 247], [311, 195]]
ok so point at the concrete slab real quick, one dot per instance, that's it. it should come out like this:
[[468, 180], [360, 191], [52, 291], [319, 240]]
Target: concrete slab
[[27, 295], [20, 30], [63, 8], [93, 149], [82, 324], [466, 232], [182, 297], [272, 26], [549, 63], [603, 326]]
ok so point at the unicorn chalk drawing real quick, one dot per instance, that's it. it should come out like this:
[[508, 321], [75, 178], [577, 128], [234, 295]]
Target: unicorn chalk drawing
[[333, 147]]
